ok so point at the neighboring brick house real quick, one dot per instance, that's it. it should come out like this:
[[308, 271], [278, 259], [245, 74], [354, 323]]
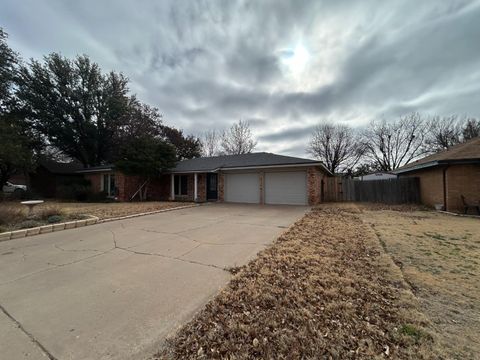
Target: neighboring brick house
[[124, 187], [261, 178], [50, 175], [448, 175]]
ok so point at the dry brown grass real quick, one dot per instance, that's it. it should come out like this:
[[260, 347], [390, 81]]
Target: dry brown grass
[[325, 289], [109, 210], [10, 215], [440, 257], [13, 215]]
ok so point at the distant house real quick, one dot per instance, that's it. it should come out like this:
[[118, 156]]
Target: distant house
[[448, 175], [259, 178], [377, 176]]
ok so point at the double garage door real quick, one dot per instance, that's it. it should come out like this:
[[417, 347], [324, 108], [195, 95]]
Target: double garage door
[[286, 187]]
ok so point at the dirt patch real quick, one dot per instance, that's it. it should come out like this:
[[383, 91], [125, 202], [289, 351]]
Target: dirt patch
[[324, 289], [440, 258], [14, 215]]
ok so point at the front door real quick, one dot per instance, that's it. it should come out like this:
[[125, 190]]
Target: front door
[[212, 182]]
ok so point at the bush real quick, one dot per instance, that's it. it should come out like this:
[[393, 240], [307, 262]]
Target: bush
[[49, 211], [54, 219], [74, 189], [101, 196], [76, 192], [26, 224]]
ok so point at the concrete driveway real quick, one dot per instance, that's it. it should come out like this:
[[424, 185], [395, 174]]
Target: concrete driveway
[[116, 290]]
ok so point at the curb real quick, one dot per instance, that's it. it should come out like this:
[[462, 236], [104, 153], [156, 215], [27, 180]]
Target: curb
[[18, 234], [145, 213]]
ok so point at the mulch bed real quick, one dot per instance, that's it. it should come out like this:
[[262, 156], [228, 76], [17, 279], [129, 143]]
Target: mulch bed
[[320, 291]]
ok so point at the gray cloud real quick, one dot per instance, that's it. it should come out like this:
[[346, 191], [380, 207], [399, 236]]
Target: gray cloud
[[282, 65]]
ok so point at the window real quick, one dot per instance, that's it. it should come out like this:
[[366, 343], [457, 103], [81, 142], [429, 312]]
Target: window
[[108, 185], [181, 184]]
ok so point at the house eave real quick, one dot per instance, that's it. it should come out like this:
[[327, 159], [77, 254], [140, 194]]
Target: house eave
[[253, 167], [90, 171], [438, 163]]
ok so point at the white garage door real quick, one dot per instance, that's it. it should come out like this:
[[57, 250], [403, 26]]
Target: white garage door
[[286, 188], [242, 188]]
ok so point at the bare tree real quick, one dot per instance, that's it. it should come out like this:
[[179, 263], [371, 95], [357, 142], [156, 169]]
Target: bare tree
[[392, 144], [337, 146], [210, 143], [471, 129], [443, 132], [238, 139]]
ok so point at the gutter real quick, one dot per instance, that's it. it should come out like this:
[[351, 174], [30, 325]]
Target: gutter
[[437, 163], [85, 171], [254, 168]]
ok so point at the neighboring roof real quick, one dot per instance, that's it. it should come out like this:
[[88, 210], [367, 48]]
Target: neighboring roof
[[64, 168], [252, 160], [467, 152], [99, 168], [380, 173]]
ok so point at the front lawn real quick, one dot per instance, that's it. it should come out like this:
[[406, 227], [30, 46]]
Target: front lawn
[[324, 289], [440, 258], [13, 215]]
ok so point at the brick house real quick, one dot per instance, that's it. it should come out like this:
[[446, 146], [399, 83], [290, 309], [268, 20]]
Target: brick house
[[448, 175], [260, 178]]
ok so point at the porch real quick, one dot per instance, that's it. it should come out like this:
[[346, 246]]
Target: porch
[[195, 186]]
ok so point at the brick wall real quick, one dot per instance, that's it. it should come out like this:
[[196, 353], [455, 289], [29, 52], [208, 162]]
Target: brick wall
[[261, 180], [462, 180], [202, 187], [431, 185], [314, 183], [95, 181], [221, 187]]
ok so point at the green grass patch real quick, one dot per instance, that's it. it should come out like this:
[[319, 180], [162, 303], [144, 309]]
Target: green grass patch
[[412, 331]]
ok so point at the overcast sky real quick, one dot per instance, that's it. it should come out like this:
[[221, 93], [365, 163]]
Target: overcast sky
[[282, 65]]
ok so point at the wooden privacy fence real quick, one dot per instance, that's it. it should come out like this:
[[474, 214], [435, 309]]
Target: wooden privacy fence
[[391, 191]]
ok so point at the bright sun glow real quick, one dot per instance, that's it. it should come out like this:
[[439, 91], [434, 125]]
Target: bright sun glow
[[296, 59]]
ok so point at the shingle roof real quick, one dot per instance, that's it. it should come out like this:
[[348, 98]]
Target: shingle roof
[[239, 161], [98, 168], [56, 167], [468, 151]]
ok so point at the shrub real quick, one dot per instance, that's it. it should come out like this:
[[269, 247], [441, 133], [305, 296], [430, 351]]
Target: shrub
[[50, 211], [101, 196], [26, 224], [75, 188], [78, 192], [54, 219]]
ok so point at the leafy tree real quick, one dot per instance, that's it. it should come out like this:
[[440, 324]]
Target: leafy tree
[[471, 129], [147, 157], [8, 68], [337, 146], [16, 154], [238, 139], [77, 108], [187, 147], [17, 142]]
